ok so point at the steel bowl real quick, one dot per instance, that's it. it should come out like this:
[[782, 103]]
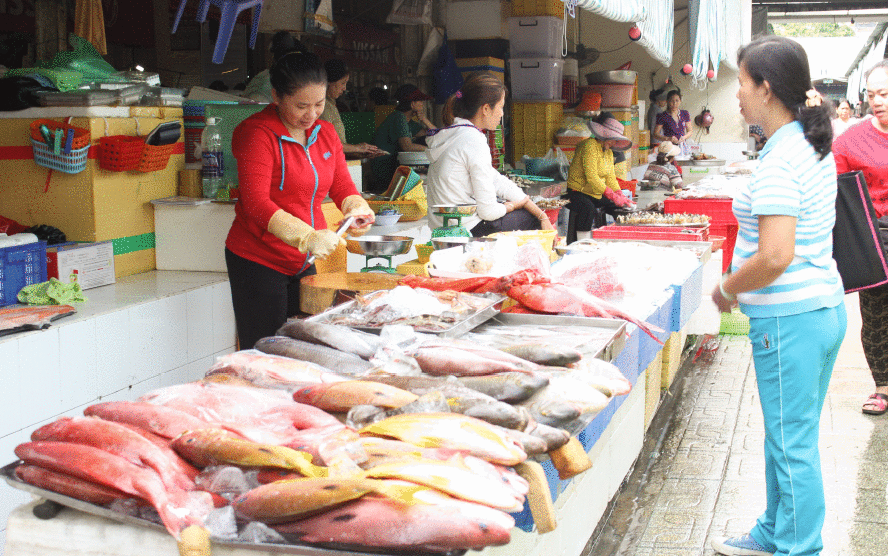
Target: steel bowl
[[621, 77], [464, 210], [379, 246], [448, 242]]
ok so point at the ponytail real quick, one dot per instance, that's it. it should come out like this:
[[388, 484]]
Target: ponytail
[[480, 88], [817, 126], [447, 115]]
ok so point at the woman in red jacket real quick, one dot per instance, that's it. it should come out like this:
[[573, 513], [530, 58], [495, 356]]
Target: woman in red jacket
[[864, 147], [288, 162]]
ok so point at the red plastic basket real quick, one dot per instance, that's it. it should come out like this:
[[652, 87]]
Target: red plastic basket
[[120, 153], [729, 232], [81, 135], [553, 215], [155, 157], [718, 209], [646, 232]]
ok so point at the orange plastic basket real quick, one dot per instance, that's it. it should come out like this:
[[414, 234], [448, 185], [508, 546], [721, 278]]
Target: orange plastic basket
[[81, 135], [120, 153], [155, 157]]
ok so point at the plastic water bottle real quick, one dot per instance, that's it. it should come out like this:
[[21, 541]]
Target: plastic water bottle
[[213, 162]]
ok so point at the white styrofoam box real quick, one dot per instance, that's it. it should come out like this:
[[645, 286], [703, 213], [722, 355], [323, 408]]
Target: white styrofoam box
[[536, 37], [93, 263], [192, 237], [536, 78], [475, 19]]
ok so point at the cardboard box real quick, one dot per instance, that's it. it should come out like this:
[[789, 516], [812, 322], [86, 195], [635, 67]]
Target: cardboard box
[[93, 263]]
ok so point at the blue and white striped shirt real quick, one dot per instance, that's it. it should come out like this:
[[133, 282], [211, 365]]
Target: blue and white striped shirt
[[791, 181]]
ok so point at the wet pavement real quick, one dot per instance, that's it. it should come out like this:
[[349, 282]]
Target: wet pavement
[[701, 472]]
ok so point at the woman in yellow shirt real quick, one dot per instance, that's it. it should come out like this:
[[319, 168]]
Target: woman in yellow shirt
[[592, 182]]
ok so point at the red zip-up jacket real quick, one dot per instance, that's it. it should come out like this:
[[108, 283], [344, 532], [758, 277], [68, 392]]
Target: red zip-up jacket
[[275, 172]]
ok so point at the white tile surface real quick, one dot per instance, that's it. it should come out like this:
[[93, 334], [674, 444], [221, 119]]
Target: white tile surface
[[113, 340], [199, 307], [10, 398], [223, 317], [141, 388], [39, 378], [77, 364], [146, 322], [172, 346]]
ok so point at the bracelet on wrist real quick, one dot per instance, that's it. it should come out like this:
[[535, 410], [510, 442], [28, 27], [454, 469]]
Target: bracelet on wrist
[[726, 295]]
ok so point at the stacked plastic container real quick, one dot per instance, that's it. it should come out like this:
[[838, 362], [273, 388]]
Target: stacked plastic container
[[535, 72], [536, 66]]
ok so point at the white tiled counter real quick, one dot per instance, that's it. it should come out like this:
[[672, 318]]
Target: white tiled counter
[[146, 331]]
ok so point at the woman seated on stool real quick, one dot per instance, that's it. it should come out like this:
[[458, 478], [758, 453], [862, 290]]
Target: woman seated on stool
[[461, 170], [662, 171], [592, 183]]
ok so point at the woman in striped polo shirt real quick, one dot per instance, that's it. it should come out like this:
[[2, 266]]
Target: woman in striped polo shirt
[[785, 279]]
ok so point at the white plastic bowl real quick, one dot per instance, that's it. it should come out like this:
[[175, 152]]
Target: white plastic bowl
[[387, 219]]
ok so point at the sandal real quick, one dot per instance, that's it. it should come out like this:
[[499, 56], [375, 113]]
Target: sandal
[[878, 401]]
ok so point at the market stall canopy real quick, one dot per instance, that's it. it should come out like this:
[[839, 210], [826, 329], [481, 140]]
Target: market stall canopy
[[873, 51], [653, 17], [712, 39]]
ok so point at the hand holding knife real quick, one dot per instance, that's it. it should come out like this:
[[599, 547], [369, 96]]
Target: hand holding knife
[[339, 231]]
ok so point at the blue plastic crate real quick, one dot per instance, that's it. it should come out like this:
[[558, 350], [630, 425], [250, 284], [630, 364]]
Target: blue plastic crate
[[20, 266], [71, 163], [647, 346], [686, 299]]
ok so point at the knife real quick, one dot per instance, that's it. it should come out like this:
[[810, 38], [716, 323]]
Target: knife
[[339, 231]]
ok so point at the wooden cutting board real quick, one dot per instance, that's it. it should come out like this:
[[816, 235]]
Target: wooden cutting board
[[316, 293]]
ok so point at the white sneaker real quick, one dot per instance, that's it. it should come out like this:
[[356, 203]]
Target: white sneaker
[[740, 546]]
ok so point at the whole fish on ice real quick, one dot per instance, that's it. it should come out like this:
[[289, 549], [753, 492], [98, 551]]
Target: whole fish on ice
[[68, 485], [271, 371], [341, 396], [544, 354], [450, 430], [440, 523], [506, 387], [286, 500], [163, 421], [344, 363], [342, 338]]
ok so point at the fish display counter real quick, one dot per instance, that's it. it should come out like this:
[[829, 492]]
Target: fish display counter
[[511, 437]]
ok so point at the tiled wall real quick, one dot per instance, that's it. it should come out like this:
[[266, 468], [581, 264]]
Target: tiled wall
[[118, 355]]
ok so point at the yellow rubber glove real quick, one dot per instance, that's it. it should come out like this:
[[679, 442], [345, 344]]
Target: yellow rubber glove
[[355, 205], [296, 232]]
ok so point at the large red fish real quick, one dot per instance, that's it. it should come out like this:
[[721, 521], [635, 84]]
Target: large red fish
[[63, 483], [177, 508], [121, 441], [163, 421], [559, 299], [439, 524]]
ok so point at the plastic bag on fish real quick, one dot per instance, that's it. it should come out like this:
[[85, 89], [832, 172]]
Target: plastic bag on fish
[[391, 357], [600, 277], [532, 256], [257, 532], [227, 481], [128, 506], [222, 524]]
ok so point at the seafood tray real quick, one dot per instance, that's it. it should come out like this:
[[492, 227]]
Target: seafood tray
[[607, 349], [458, 328], [703, 249], [294, 548]]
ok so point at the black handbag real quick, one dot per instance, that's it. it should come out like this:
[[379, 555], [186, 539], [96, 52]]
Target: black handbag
[[857, 243]]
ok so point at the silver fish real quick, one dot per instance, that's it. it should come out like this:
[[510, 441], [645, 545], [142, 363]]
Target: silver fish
[[342, 362], [343, 338], [506, 387]]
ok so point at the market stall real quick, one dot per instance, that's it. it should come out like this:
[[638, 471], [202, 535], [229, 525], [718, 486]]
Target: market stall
[[609, 431]]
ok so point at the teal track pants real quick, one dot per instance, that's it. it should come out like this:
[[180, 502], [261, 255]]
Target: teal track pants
[[794, 358]]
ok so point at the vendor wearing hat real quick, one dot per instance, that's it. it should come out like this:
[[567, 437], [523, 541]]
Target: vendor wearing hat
[[662, 171], [394, 135], [337, 80], [592, 182], [259, 88]]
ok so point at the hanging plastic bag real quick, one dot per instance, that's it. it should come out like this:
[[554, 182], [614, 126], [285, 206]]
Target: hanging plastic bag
[[410, 12], [447, 75], [430, 53]]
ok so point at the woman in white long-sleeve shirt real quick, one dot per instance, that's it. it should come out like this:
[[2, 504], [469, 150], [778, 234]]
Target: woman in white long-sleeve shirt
[[461, 170]]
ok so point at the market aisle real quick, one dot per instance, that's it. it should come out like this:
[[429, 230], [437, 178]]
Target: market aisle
[[702, 475]]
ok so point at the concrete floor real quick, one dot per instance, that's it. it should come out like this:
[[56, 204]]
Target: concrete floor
[[701, 472]]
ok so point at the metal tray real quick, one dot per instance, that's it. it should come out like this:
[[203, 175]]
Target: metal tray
[[457, 329], [607, 352], [294, 548]]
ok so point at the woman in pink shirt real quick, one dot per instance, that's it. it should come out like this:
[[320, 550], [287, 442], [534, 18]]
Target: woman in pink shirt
[[864, 147]]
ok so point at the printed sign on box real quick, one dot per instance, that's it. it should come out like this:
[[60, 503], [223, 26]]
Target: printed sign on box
[[91, 264]]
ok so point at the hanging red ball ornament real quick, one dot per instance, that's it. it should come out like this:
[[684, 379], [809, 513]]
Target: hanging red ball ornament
[[634, 33], [710, 74], [687, 69]]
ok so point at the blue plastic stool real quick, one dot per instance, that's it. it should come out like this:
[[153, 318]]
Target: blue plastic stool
[[230, 10]]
